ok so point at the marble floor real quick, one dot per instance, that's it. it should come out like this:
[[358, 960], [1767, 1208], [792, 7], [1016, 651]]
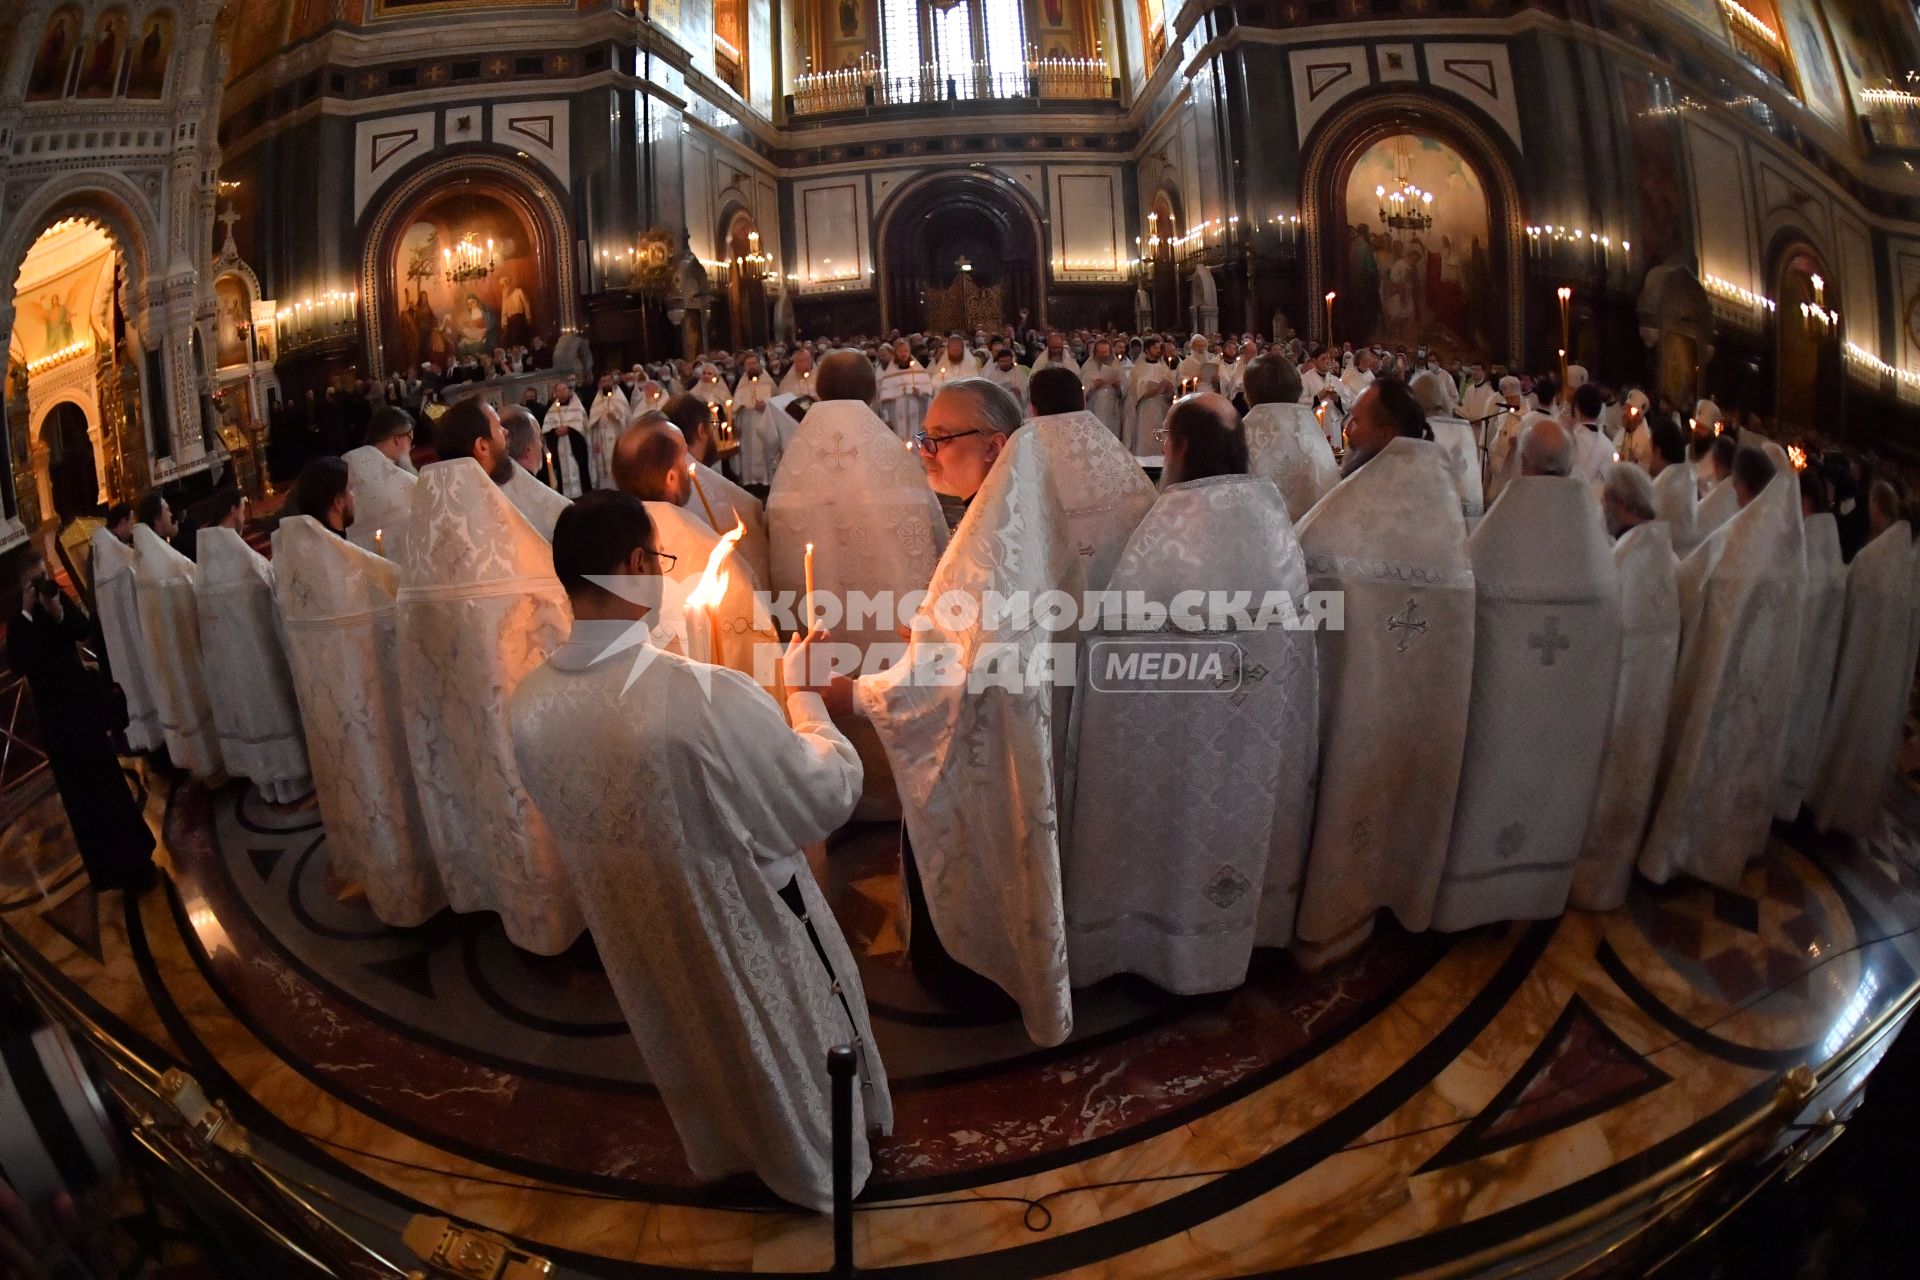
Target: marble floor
[[1436, 1104]]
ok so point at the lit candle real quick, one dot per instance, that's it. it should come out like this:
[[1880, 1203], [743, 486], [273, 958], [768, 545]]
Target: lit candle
[[380, 542], [807, 607], [693, 474], [1331, 295]]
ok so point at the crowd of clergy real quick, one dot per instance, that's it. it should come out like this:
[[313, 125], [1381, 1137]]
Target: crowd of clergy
[[1578, 640]]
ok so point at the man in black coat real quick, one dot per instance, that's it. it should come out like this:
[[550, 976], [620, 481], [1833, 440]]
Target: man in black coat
[[43, 637]]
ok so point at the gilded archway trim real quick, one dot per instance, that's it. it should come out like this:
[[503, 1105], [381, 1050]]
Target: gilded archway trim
[[1362, 121], [401, 194]]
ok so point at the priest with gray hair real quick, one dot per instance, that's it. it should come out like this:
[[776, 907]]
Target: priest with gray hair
[[1626, 498]]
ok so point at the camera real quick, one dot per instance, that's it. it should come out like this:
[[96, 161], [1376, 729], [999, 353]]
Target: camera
[[46, 588]]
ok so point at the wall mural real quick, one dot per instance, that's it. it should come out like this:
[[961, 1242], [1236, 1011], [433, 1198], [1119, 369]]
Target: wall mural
[[1813, 59], [1412, 285], [465, 277], [233, 318]]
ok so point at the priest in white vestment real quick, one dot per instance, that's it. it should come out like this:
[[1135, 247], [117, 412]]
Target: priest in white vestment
[[1150, 393], [531, 496], [382, 477], [976, 766], [337, 603], [1394, 682], [605, 421], [1649, 649], [848, 487], [170, 633], [755, 425], [954, 362], [1503, 457], [1004, 372], [681, 800], [1821, 618], [1101, 487], [798, 379], [1872, 677], [1105, 381], [1546, 670], [1056, 356], [648, 396], [1676, 498], [1741, 594], [1716, 508], [1479, 398], [1455, 435], [905, 388], [730, 502], [254, 707], [1188, 815], [1284, 441], [114, 562], [650, 463], [479, 607], [1199, 369]]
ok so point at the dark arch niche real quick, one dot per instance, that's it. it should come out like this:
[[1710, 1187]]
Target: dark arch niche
[[931, 228], [1806, 344]]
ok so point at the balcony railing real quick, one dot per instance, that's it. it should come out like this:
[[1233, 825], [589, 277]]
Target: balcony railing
[[859, 88], [1892, 117], [1755, 40]]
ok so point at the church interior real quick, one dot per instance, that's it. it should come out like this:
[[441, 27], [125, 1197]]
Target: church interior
[[1540, 899]]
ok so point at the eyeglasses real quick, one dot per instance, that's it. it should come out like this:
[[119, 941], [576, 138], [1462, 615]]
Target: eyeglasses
[[931, 445], [1160, 436], [666, 559]]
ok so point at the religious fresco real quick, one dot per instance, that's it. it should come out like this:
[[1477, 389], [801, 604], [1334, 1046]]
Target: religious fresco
[[1861, 48], [1657, 173], [465, 278], [147, 73], [233, 317], [1417, 286], [1805, 34], [100, 64], [54, 60]]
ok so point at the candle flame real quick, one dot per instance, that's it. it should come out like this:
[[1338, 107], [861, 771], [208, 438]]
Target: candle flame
[[711, 588], [1797, 456]]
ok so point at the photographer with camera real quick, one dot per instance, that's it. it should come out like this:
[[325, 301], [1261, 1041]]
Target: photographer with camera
[[44, 639]]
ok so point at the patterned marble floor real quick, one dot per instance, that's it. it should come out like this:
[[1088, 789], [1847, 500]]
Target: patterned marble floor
[[1434, 1102]]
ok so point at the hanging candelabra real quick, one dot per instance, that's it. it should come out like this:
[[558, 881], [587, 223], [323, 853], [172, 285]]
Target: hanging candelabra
[[467, 260]]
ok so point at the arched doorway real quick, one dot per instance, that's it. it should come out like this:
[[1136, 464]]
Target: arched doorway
[[1446, 274], [1163, 229], [72, 387], [463, 256], [746, 293], [960, 251], [1806, 338], [71, 470]]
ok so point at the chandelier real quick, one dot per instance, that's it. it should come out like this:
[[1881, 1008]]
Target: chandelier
[[752, 265], [467, 260], [1406, 208]]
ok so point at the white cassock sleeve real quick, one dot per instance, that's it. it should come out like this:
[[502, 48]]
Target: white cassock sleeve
[[780, 788]]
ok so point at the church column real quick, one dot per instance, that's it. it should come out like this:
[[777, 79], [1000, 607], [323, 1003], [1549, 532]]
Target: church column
[[26, 508]]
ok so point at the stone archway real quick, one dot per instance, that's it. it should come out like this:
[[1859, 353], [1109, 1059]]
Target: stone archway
[[1807, 360], [1163, 230], [746, 291], [932, 222], [68, 436], [1337, 145], [516, 188]]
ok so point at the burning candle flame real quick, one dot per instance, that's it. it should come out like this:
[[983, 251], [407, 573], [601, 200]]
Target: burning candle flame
[[711, 588], [1797, 456]]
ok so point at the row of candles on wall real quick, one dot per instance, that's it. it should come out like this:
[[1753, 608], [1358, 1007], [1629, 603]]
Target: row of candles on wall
[[1577, 246], [64, 354], [325, 315], [870, 82]]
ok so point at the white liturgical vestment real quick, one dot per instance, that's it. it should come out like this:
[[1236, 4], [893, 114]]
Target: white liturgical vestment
[[797, 383], [1821, 618], [1715, 509], [975, 761], [254, 707], [479, 608], [1463, 460], [1105, 385], [170, 630], [1740, 609], [113, 599], [1871, 679], [737, 627], [1394, 687], [1188, 815], [1101, 488], [729, 500], [905, 391], [848, 486], [756, 428], [1503, 455], [1150, 392], [337, 602], [1676, 500], [680, 807], [1649, 648], [534, 499], [605, 421], [1546, 636], [382, 501], [1285, 444]]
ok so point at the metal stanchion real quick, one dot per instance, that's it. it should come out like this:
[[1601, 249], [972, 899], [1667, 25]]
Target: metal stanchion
[[841, 1069]]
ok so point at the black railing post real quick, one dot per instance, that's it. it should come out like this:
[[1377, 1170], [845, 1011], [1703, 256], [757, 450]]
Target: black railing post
[[841, 1070]]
